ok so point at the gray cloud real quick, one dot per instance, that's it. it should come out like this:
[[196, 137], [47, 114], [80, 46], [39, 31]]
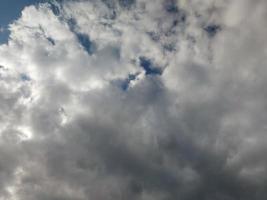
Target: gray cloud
[[134, 100]]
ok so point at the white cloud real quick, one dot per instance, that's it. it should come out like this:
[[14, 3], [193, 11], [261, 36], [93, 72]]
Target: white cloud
[[81, 116]]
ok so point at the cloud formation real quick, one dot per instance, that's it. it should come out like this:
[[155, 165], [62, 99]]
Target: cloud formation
[[135, 99]]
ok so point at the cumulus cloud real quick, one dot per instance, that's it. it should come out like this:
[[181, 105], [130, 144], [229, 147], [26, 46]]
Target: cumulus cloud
[[134, 99]]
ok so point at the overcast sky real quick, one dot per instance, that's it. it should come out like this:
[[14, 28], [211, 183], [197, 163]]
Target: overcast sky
[[133, 100]]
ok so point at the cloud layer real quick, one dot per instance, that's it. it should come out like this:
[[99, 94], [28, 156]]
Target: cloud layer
[[135, 99]]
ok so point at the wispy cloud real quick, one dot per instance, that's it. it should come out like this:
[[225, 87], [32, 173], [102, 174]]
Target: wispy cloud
[[2, 29]]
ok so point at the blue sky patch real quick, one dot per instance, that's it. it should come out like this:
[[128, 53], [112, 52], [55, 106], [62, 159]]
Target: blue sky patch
[[125, 83], [4, 34], [72, 24], [212, 30], [87, 44], [82, 38], [11, 10], [149, 67], [51, 40], [55, 8], [25, 77]]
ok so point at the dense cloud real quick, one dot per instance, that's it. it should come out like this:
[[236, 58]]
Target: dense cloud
[[135, 99]]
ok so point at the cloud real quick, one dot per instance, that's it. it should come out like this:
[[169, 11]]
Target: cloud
[[134, 100]]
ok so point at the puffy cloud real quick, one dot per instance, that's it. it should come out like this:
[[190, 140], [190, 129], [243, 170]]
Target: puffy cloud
[[134, 100]]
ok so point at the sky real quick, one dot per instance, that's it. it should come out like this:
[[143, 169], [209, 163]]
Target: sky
[[10, 10], [133, 99]]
